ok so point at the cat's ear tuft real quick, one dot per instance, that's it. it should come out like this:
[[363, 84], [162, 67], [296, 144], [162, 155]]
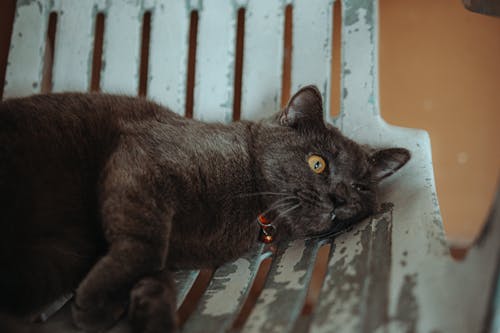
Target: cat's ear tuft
[[385, 162], [304, 108]]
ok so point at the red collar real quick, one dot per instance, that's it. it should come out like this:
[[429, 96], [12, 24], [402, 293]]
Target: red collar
[[266, 229]]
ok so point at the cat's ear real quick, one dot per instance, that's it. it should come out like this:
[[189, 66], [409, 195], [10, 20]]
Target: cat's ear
[[385, 162], [304, 108]]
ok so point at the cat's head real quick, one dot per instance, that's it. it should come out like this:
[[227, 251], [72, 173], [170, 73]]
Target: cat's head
[[318, 181]]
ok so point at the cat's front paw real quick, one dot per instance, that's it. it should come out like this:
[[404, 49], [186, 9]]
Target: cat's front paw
[[96, 316], [152, 307]]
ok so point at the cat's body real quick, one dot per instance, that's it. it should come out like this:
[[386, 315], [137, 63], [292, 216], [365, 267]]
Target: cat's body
[[104, 194]]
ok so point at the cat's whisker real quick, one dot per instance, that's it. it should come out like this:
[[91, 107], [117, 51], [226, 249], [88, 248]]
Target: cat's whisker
[[261, 193], [281, 203], [281, 214]]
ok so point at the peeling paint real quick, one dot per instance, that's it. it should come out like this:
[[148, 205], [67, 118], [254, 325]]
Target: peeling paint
[[355, 294], [286, 287], [407, 307], [356, 10], [233, 281], [286, 274]]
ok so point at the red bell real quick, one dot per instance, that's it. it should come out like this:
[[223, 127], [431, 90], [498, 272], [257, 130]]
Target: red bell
[[267, 239], [262, 219]]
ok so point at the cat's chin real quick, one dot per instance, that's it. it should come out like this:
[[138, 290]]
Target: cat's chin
[[339, 226]]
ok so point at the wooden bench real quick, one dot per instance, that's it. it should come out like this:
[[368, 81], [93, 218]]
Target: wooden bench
[[392, 272]]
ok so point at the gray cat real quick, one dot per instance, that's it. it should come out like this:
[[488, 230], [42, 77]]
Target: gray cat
[[105, 194]]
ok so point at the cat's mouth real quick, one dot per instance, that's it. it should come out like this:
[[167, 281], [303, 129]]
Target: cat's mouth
[[338, 228]]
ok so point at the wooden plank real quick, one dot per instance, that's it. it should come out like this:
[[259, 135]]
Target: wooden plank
[[121, 49], [184, 280], [168, 54], [312, 40], [285, 290], [74, 46], [27, 49], [262, 59], [213, 95], [226, 294], [355, 291], [359, 63]]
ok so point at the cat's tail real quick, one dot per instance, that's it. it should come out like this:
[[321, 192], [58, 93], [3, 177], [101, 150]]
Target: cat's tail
[[12, 324]]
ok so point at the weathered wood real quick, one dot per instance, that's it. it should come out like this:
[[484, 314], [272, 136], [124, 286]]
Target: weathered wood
[[168, 54], [74, 45], [27, 49], [354, 295], [213, 91], [284, 293], [226, 294], [184, 280], [312, 42], [121, 48], [262, 59]]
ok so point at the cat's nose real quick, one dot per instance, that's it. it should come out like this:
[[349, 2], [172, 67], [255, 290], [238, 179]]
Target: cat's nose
[[339, 194], [337, 201]]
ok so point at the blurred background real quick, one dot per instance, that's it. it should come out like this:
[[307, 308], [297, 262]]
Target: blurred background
[[439, 71]]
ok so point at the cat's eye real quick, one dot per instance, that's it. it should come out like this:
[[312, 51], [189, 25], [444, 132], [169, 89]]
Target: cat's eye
[[316, 163]]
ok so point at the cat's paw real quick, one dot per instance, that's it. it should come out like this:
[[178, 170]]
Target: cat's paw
[[96, 316], [152, 307]]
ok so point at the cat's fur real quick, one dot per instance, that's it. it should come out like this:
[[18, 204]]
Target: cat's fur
[[104, 194]]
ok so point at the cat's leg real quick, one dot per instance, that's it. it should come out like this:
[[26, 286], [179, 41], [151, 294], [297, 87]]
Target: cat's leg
[[136, 222], [102, 297], [153, 304]]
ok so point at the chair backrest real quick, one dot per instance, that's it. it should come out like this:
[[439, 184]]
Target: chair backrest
[[393, 272]]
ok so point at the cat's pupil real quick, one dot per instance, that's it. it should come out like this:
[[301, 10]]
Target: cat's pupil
[[317, 165]]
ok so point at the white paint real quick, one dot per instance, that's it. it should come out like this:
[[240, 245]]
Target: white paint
[[168, 54], [262, 59], [184, 285], [121, 49], [226, 301], [342, 309], [27, 48], [286, 272], [74, 46], [360, 106], [312, 40], [213, 95], [257, 318]]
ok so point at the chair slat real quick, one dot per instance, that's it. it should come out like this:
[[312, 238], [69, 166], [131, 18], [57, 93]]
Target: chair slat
[[359, 45], [121, 49], [355, 290], [213, 95], [226, 294], [168, 54], [312, 40], [262, 59], [184, 280], [27, 49], [284, 293], [74, 46]]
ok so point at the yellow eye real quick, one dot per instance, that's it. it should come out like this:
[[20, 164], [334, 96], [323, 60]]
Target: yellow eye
[[316, 163]]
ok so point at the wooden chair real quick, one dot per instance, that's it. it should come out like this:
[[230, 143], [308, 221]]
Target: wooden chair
[[392, 272]]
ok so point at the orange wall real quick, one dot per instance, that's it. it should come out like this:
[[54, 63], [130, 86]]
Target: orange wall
[[440, 71]]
